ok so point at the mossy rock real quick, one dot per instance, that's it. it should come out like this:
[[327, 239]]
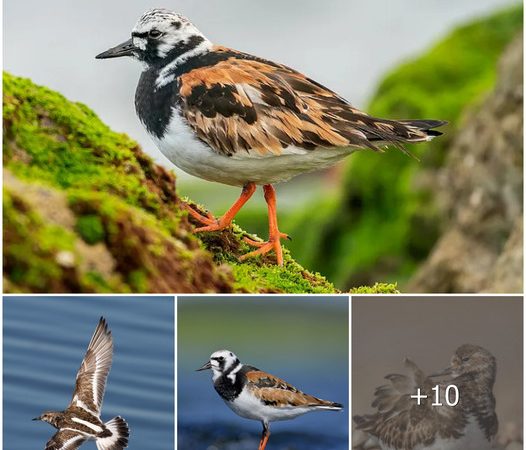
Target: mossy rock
[[387, 217], [85, 210]]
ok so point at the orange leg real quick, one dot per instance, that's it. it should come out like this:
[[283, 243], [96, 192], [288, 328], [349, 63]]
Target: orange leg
[[213, 224], [264, 437], [275, 236]]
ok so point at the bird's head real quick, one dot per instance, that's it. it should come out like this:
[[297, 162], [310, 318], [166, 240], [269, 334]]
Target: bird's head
[[51, 417], [220, 362], [159, 37], [473, 360]]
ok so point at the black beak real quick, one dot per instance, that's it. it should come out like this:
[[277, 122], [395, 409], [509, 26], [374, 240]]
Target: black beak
[[124, 49], [442, 373], [36, 418], [207, 366]]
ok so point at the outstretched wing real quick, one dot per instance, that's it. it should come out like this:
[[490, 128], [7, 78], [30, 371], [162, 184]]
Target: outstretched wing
[[400, 423], [244, 106], [274, 391], [93, 372], [65, 440]]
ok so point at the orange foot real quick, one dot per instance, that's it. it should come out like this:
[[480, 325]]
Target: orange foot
[[275, 236], [274, 243], [211, 223]]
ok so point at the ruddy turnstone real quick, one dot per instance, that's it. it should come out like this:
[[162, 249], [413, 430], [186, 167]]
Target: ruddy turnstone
[[80, 421], [233, 118], [401, 424], [257, 395]]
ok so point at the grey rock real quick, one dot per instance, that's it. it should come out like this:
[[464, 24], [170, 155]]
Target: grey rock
[[481, 188]]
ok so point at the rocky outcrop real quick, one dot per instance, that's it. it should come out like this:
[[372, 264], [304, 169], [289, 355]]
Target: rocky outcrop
[[481, 189]]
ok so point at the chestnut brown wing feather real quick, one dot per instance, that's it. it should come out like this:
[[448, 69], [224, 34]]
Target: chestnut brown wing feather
[[255, 108], [274, 391]]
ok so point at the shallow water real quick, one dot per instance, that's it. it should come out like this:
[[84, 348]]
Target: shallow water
[[302, 341], [45, 340]]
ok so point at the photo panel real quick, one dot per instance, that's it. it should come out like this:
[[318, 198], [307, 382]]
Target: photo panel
[[44, 343], [271, 358], [437, 372]]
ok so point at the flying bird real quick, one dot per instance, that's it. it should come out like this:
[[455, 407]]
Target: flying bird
[[237, 119], [257, 395], [80, 421]]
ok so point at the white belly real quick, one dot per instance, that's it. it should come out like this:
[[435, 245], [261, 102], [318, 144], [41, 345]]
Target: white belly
[[182, 148], [249, 407]]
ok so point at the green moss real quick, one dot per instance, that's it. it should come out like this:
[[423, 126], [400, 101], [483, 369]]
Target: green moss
[[63, 143], [378, 288], [291, 279], [32, 248], [119, 226], [90, 228], [386, 218]]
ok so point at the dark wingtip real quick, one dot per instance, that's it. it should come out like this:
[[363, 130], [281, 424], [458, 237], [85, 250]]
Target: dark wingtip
[[434, 133]]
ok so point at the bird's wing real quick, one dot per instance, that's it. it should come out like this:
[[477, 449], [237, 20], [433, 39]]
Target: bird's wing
[[274, 391], [246, 107], [400, 423], [93, 372], [65, 440]]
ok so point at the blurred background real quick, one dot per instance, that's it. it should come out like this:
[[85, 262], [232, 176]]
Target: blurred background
[[44, 342], [375, 217], [428, 330], [303, 340]]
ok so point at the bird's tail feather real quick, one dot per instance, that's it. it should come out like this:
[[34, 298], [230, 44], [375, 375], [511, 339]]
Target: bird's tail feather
[[385, 132], [118, 433], [331, 406], [425, 126]]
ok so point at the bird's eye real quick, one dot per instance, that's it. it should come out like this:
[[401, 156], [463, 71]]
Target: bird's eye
[[220, 358], [154, 34], [465, 359]]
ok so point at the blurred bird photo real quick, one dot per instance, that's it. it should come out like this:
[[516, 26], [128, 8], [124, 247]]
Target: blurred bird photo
[[464, 422], [386, 138], [421, 386]]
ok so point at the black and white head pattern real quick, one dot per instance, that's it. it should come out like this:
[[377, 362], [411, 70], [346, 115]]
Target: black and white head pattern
[[224, 362], [165, 35]]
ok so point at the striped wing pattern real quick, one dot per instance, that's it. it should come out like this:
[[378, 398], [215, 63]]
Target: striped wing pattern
[[65, 440], [93, 372]]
